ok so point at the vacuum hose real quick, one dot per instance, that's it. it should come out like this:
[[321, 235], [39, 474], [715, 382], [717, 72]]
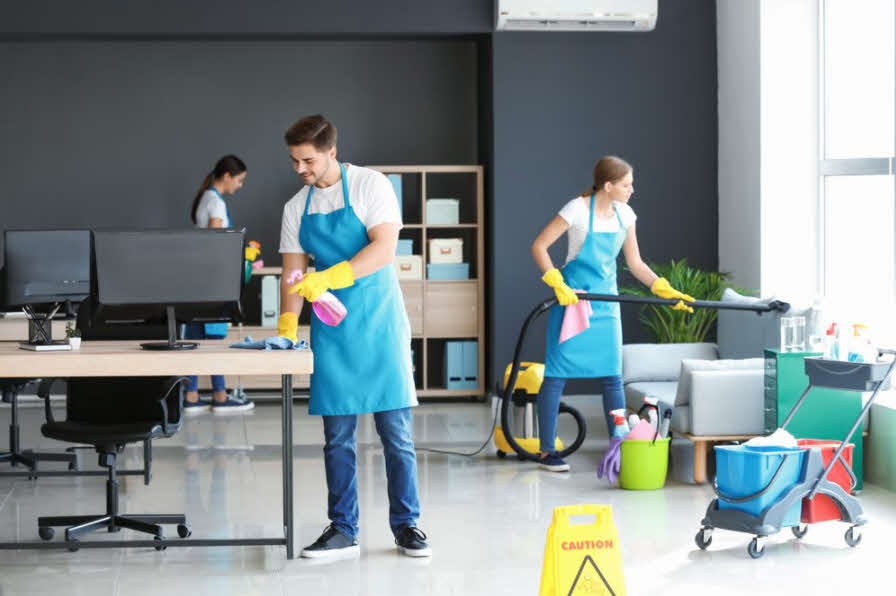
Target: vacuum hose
[[543, 307]]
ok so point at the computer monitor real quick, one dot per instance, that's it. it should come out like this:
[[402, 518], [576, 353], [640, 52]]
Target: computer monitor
[[45, 270], [46, 266], [171, 275]]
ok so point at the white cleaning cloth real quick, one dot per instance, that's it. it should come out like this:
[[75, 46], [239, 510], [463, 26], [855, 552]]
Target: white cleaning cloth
[[779, 438]]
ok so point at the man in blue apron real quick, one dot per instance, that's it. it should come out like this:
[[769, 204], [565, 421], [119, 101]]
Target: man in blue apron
[[347, 218]]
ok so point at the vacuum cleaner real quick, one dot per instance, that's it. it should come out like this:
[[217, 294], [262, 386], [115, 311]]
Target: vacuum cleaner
[[522, 380]]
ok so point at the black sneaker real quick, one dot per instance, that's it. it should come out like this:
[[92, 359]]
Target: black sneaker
[[412, 542], [553, 463], [332, 543]]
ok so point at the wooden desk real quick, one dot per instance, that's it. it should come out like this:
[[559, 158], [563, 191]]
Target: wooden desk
[[126, 359]]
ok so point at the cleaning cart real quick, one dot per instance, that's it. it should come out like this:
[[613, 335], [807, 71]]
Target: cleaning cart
[[796, 476], [512, 400]]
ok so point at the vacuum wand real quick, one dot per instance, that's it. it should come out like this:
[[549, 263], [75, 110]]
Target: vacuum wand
[[771, 306]]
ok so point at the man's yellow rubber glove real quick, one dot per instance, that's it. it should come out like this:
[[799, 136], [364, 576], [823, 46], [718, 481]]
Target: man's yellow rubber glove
[[565, 295], [288, 326], [662, 289], [314, 284]]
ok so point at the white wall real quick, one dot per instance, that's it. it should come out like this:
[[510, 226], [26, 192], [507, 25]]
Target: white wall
[[737, 35], [768, 122]]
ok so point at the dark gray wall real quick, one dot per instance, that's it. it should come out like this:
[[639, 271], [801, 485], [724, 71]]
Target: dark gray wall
[[561, 101], [259, 17], [549, 104], [122, 133]]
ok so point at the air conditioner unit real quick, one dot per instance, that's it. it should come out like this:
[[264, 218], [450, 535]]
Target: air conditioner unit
[[575, 15]]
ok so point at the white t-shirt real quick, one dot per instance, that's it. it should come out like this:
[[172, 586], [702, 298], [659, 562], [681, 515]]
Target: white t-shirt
[[370, 193], [576, 212], [211, 205]]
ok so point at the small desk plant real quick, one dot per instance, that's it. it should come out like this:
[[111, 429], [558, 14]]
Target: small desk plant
[[73, 335]]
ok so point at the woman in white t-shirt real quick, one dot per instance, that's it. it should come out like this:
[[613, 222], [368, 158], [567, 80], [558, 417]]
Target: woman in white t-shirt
[[599, 223], [210, 211]]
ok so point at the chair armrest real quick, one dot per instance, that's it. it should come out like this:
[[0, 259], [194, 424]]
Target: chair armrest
[[166, 423], [727, 402], [43, 392]]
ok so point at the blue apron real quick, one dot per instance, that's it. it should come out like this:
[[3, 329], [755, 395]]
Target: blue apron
[[597, 351], [363, 364], [216, 330]]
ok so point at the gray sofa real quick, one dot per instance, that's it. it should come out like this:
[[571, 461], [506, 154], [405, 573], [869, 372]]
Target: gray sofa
[[713, 388]]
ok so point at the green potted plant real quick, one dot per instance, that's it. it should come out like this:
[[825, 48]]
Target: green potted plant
[[73, 335], [675, 326]]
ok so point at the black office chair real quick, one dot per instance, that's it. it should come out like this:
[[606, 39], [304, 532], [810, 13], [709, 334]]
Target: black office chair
[[108, 413], [16, 456]]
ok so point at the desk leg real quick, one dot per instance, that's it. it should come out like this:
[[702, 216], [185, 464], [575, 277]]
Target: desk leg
[[287, 465]]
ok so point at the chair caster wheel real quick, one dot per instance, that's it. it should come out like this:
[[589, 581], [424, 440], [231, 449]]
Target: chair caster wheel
[[159, 547], [73, 545], [184, 531], [46, 533]]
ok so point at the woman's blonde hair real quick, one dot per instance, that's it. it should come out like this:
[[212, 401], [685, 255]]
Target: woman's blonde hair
[[608, 169]]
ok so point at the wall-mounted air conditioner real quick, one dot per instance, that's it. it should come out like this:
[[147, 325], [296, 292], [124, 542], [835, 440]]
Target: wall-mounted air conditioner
[[575, 15]]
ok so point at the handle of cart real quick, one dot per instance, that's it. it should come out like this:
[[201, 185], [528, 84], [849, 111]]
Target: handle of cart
[[546, 305], [842, 375]]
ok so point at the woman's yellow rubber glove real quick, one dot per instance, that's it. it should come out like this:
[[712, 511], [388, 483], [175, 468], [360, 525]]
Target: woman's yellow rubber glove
[[565, 295], [288, 326], [314, 284], [662, 289]]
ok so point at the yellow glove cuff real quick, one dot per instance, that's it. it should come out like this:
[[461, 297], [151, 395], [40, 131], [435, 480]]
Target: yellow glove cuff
[[660, 285], [288, 325], [553, 277], [340, 276]]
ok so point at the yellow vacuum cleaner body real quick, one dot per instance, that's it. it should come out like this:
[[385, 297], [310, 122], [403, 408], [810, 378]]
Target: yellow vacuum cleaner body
[[528, 384]]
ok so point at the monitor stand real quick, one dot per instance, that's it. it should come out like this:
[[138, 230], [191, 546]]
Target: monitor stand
[[172, 343]]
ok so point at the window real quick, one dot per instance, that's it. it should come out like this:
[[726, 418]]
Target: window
[[857, 190]]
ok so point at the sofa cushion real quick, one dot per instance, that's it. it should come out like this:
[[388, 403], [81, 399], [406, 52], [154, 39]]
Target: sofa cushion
[[635, 392], [745, 334], [660, 362], [688, 365]]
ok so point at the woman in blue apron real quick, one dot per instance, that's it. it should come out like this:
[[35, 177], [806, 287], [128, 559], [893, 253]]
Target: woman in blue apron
[[210, 211], [347, 218], [599, 223]]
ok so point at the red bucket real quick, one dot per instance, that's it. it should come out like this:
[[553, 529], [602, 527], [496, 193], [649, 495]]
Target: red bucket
[[822, 508]]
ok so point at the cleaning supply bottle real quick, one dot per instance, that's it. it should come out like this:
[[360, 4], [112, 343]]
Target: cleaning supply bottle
[[652, 411], [831, 347], [620, 426]]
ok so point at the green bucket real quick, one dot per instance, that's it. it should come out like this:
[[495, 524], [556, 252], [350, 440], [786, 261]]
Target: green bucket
[[643, 464]]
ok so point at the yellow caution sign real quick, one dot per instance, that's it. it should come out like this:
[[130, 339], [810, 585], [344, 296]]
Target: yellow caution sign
[[582, 559]]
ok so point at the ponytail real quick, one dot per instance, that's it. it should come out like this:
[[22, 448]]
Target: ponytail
[[229, 164], [209, 179]]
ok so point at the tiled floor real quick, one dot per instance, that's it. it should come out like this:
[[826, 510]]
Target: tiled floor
[[486, 519]]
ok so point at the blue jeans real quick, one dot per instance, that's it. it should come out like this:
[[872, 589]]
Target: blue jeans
[[197, 331], [394, 429], [549, 402]]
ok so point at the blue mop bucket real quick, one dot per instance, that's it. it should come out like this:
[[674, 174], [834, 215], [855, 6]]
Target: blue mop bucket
[[764, 474]]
